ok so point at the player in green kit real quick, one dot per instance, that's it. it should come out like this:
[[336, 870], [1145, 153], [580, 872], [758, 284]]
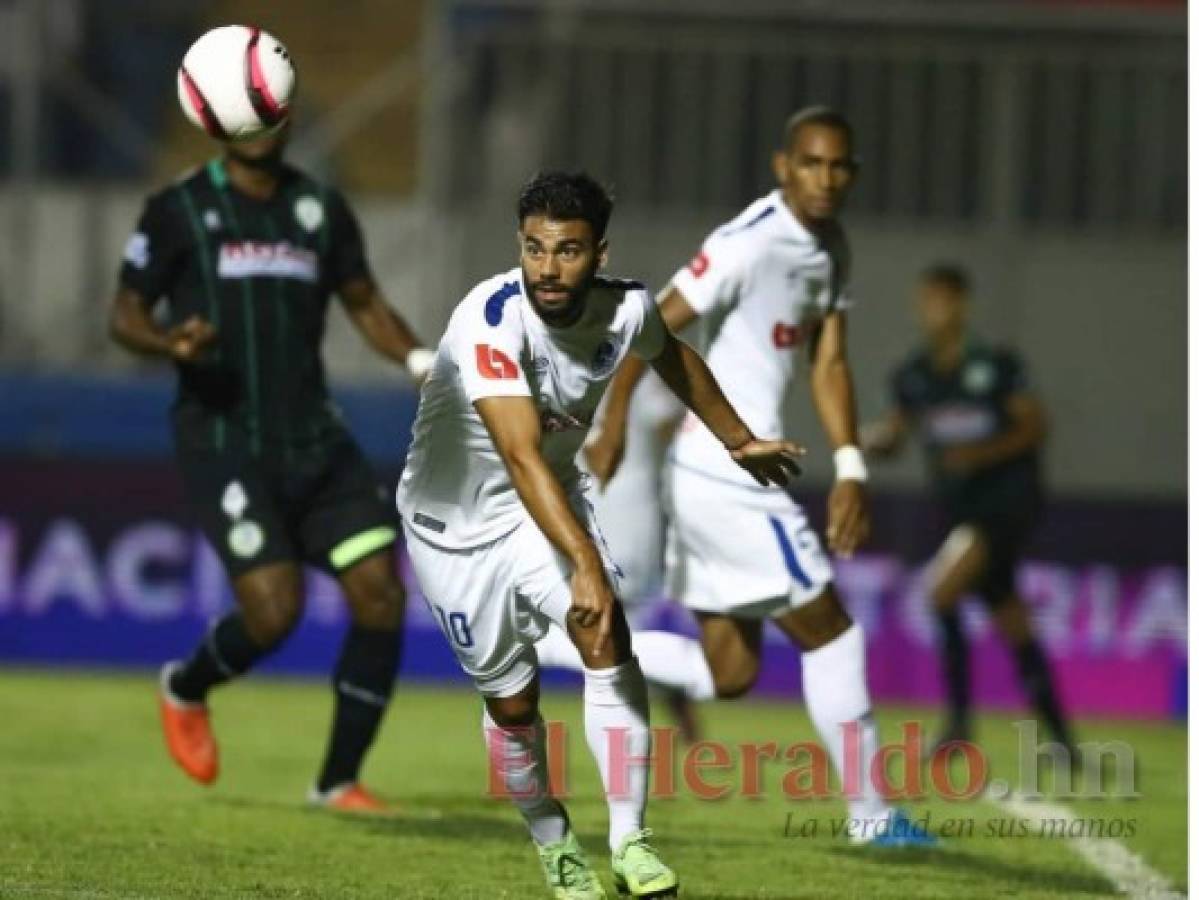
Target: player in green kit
[[246, 252]]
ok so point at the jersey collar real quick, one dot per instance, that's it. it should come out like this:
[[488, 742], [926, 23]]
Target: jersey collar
[[217, 174], [796, 226]]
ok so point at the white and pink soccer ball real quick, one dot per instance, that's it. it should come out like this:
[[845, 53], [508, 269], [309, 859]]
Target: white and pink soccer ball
[[236, 83]]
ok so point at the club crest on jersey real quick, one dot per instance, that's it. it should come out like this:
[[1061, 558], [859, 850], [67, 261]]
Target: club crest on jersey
[[251, 259], [978, 377], [309, 213], [212, 220], [605, 358]]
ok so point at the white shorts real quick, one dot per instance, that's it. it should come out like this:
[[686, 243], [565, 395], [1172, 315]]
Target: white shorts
[[739, 551], [494, 601]]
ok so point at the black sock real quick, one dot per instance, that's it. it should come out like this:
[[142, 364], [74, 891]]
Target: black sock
[[226, 652], [955, 667], [1038, 686], [362, 684]]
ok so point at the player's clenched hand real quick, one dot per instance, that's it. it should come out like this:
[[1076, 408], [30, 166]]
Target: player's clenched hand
[[591, 602], [603, 453], [770, 462], [190, 339], [848, 517]]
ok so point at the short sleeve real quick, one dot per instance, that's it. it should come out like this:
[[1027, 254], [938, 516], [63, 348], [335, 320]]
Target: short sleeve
[[486, 342], [713, 277], [156, 250], [345, 255], [650, 336]]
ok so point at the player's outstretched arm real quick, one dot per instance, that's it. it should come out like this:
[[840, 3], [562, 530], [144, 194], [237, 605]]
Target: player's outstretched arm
[[686, 373], [1027, 430], [604, 450], [833, 396], [384, 328], [515, 429], [131, 325]]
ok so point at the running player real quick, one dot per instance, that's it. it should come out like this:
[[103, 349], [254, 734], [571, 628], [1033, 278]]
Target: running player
[[246, 251], [768, 285], [982, 430], [501, 536], [628, 508]]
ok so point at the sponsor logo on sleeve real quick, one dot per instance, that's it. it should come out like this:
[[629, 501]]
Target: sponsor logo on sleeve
[[699, 265], [494, 364]]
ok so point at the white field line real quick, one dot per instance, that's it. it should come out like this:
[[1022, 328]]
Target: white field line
[[1126, 870]]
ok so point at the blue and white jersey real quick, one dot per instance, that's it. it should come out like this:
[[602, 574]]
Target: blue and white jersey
[[761, 284], [455, 491]]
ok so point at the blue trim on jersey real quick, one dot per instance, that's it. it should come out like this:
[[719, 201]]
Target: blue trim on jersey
[[789, 556], [764, 214], [493, 309]]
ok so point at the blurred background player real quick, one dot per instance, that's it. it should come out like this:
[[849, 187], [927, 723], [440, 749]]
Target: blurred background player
[[246, 250], [629, 509], [769, 284], [982, 429]]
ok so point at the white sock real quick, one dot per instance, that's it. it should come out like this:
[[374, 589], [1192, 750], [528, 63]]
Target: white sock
[[518, 755], [668, 660], [676, 662], [557, 651], [615, 702], [834, 686]]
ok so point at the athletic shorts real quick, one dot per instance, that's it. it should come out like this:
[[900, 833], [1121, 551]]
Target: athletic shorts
[[494, 601], [739, 551], [324, 506], [1006, 537]]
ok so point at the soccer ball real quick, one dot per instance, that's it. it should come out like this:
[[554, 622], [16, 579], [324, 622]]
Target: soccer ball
[[236, 83]]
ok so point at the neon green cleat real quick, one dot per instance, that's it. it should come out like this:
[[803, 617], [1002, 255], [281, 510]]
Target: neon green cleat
[[638, 871], [568, 872]]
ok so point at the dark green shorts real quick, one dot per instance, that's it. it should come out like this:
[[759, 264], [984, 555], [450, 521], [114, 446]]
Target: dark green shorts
[[325, 506]]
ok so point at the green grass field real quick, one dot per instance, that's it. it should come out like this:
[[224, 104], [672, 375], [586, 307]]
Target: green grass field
[[90, 806]]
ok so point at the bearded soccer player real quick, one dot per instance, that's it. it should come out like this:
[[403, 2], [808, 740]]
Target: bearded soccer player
[[982, 428], [502, 536], [767, 287], [246, 252]]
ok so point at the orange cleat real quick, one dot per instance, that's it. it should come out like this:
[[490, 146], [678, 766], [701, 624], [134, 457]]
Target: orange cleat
[[350, 798], [186, 729]]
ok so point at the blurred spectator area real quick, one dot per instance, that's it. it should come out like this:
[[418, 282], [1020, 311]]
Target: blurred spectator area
[[1040, 142]]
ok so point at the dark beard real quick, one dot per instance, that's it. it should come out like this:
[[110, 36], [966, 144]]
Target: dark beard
[[570, 313]]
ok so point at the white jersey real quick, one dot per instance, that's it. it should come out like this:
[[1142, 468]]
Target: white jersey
[[629, 508], [455, 491], [761, 284]]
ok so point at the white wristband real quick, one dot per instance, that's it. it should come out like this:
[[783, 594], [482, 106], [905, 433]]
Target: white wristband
[[850, 464], [420, 362]]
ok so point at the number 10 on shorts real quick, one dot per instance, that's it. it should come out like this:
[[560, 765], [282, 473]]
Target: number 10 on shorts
[[455, 627]]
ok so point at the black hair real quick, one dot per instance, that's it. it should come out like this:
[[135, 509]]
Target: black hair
[[566, 195], [815, 115], [950, 275]]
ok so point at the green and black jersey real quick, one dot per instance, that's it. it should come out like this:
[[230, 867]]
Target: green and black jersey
[[261, 272], [966, 405]]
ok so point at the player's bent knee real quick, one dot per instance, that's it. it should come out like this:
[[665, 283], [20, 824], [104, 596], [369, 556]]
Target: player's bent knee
[[375, 595], [511, 712], [271, 619], [733, 683]]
